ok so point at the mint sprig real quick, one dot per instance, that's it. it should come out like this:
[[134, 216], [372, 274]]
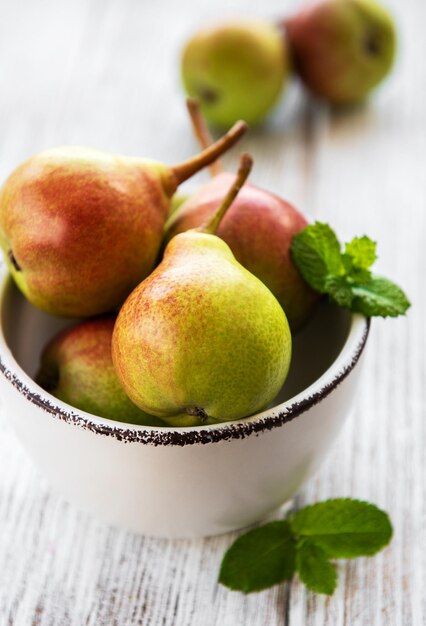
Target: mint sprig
[[345, 275], [304, 543]]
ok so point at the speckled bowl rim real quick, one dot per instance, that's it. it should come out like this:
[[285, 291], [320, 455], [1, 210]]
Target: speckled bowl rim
[[173, 436]]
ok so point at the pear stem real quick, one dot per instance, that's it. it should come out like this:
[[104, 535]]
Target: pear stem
[[202, 133], [246, 163], [188, 168]]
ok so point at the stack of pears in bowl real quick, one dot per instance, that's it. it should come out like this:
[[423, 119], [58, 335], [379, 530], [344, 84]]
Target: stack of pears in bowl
[[169, 372]]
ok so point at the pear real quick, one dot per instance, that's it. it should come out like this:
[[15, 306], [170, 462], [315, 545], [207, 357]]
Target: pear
[[202, 340], [236, 69], [76, 367], [259, 228], [80, 228], [342, 48]]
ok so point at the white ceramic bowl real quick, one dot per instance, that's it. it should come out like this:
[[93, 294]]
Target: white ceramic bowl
[[181, 482]]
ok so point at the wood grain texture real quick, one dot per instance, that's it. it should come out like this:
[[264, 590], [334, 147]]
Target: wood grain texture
[[104, 74]]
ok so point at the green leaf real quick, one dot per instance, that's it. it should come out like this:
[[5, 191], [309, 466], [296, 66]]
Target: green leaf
[[344, 528], [379, 296], [261, 558], [362, 252], [339, 290], [316, 252], [314, 568]]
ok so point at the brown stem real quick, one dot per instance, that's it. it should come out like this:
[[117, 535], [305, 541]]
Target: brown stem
[[202, 133], [188, 168], [246, 163]]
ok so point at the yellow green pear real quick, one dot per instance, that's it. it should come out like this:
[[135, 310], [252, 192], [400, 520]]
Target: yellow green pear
[[236, 69], [202, 340]]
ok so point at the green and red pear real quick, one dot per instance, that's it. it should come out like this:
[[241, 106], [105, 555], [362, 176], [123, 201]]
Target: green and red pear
[[258, 227], [342, 49], [76, 367], [80, 228]]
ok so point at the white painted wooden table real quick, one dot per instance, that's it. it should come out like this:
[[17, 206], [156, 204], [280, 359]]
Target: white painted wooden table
[[104, 74]]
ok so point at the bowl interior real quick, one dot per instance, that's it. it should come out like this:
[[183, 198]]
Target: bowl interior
[[27, 330]]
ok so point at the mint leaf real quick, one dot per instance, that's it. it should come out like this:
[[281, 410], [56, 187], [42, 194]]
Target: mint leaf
[[316, 252], [261, 558], [379, 296], [362, 252], [346, 276], [339, 291], [344, 528], [314, 568]]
